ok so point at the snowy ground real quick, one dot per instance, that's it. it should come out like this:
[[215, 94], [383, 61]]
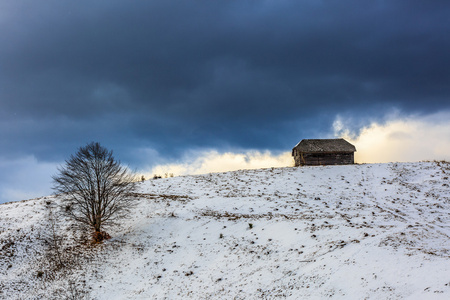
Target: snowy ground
[[347, 232]]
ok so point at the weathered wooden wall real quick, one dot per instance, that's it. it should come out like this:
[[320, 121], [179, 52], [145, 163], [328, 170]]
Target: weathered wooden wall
[[321, 159]]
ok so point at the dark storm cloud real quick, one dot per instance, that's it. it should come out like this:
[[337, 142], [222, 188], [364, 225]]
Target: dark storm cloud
[[248, 74]]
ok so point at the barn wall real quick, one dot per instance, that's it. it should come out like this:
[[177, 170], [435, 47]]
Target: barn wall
[[318, 159]]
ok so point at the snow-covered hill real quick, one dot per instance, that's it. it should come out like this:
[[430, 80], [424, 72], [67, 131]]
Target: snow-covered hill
[[347, 232]]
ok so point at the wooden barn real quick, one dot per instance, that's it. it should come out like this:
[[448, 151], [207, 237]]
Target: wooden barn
[[319, 152]]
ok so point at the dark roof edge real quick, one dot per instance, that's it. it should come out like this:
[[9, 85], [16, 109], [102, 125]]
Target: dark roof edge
[[320, 146]]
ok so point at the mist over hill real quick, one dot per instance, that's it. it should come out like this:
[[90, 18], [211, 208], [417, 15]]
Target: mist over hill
[[374, 231]]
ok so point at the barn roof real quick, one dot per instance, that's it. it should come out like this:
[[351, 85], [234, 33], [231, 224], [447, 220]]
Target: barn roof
[[325, 145]]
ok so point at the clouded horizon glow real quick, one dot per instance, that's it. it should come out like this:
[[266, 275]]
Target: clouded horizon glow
[[405, 139], [213, 161]]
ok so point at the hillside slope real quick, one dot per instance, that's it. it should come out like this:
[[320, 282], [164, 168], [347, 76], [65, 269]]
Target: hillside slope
[[348, 232]]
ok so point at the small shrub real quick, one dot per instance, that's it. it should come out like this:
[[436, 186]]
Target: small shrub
[[40, 274], [221, 236], [250, 225]]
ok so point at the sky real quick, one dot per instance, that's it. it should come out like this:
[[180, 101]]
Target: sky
[[191, 87]]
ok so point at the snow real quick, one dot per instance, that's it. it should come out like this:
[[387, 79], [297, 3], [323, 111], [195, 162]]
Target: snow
[[376, 231]]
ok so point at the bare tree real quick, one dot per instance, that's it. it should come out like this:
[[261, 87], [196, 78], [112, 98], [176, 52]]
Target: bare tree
[[97, 189]]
